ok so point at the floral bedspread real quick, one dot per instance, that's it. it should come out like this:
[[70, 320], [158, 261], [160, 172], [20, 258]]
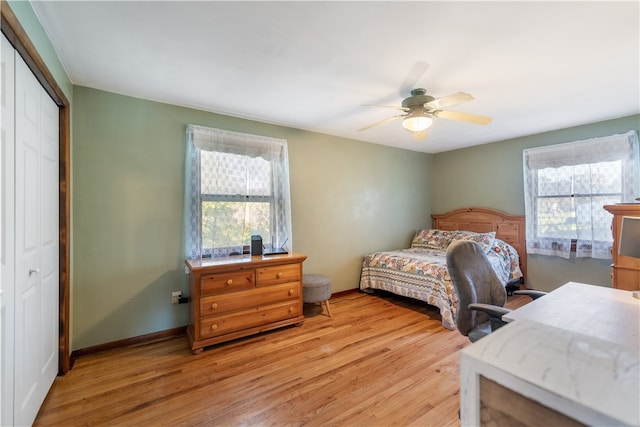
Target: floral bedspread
[[421, 273]]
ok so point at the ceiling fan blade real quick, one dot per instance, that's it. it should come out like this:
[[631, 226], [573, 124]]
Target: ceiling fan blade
[[395, 107], [449, 100], [416, 72], [464, 117], [381, 122]]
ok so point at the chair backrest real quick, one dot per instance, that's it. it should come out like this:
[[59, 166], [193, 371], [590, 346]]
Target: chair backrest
[[474, 281]]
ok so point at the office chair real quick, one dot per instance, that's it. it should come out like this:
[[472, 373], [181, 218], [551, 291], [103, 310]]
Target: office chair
[[481, 295]]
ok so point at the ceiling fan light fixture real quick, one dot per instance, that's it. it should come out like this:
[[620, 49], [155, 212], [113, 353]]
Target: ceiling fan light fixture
[[417, 121]]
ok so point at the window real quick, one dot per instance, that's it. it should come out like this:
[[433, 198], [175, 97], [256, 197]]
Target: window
[[566, 187], [237, 186]]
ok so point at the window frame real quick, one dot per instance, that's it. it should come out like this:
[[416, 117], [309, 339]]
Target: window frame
[[622, 148], [273, 150]]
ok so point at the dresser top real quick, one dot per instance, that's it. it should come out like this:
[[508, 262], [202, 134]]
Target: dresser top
[[243, 261], [624, 208]]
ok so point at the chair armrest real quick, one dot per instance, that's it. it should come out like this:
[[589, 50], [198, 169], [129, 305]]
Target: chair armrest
[[531, 293], [495, 313], [491, 310]]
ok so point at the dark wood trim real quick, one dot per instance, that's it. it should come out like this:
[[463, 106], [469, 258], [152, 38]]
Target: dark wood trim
[[13, 30], [129, 342], [343, 293], [65, 240], [18, 37]]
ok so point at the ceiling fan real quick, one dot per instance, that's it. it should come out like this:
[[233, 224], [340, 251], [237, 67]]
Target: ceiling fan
[[420, 109]]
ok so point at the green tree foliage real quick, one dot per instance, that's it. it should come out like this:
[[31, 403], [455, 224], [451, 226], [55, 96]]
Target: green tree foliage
[[224, 224]]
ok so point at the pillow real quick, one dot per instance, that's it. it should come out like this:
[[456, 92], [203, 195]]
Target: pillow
[[432, 239], [484, 239]]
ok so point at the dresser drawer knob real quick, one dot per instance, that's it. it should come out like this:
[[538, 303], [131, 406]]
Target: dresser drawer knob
[[279, 275], [290, 292], [229, 282], [214, 305], [214, 327], [290, 309]]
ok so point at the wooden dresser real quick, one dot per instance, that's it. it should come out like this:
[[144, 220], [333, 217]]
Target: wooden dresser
[[236, 296], [625, 272]]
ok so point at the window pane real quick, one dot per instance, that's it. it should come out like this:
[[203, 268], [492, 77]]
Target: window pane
[[230, 174], [554, 181], [593, 222], [570, 200], [227, 224], [594, 178], [556, 217], [598, 178]]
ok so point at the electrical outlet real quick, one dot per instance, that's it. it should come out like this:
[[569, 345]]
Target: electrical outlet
[[175, 296]]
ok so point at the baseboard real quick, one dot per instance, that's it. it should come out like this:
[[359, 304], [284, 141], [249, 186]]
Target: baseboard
[[155, 336], [343, 293], [128, 342]]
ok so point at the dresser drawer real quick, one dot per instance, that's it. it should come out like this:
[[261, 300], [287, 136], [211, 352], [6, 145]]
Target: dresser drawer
[[227, 323], [279, 274], [227, 282], [225, 303]]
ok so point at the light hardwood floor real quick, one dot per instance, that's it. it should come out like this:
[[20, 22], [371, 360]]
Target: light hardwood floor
[[380, 360]]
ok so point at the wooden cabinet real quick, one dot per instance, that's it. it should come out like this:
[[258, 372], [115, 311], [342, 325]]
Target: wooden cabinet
[[625, 272], [232, 297]]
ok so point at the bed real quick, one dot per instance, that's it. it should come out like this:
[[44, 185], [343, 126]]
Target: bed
[[420, 271]]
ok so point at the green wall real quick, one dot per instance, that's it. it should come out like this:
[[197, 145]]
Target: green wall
[[491, 176], [348, 198]]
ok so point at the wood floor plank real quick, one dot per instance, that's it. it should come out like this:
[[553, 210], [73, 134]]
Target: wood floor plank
[[381, 360]]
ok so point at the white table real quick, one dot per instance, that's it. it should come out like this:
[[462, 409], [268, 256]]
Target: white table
[[574, 351], [604, 313]]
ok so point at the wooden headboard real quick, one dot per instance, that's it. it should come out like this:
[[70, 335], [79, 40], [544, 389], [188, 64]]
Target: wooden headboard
[[510, 228]]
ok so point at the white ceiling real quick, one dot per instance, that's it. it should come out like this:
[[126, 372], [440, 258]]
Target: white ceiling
[[532, 66]]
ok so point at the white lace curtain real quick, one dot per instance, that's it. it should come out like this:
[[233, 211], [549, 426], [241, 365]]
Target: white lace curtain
[[235, 168], [566, 187]]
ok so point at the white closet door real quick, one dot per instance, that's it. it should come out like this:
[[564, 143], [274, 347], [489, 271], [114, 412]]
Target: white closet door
[[7, 234], [36, 240]]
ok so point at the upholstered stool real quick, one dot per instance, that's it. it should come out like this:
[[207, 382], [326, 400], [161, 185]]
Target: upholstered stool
[[316, 288]]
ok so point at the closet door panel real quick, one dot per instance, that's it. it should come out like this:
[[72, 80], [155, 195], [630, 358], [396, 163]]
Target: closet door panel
[[49, 238], [7, 262], [50, 172], [36, 260], [28, 283]]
